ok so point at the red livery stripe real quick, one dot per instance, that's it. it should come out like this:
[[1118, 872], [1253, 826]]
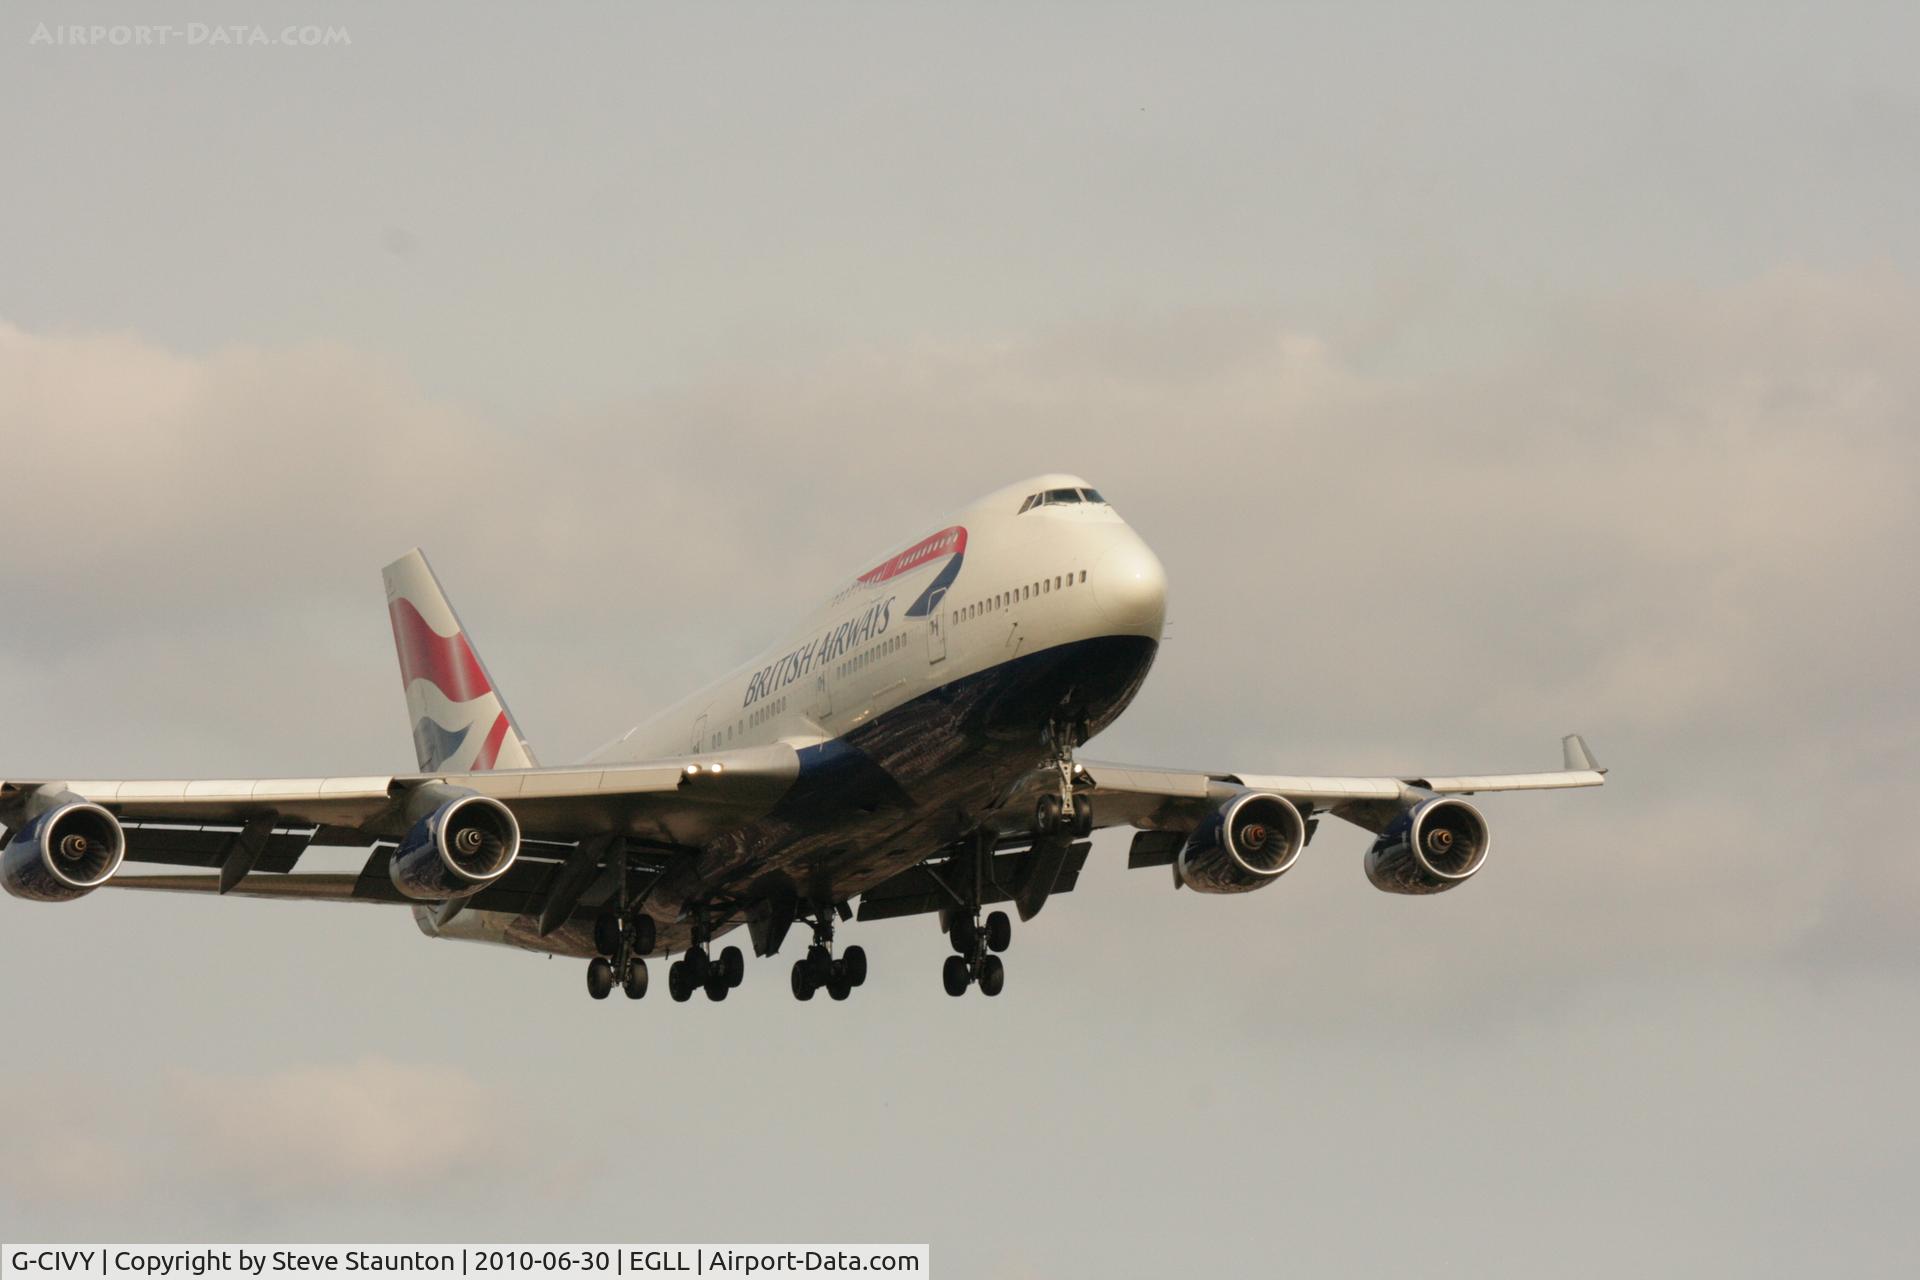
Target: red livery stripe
[[490, 749], [446, 662], [947, 542]]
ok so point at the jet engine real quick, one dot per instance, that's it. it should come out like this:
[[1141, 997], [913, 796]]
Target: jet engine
[[1243, 845], [1430, 848], [65, 852], [457, 850]]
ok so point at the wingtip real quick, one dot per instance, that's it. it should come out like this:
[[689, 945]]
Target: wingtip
[[1579, 756]]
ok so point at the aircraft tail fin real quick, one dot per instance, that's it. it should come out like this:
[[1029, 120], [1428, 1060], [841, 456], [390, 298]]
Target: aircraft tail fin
[[460, 722]]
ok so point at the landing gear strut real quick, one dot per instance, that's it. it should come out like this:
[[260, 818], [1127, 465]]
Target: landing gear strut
[[1066, 810], [976, 945], [819, 969], [623, 935]]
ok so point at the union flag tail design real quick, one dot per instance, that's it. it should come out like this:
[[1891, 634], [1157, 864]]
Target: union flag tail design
[[460, 722]]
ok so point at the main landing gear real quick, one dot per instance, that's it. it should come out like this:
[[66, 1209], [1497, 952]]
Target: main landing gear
[[699, 971], [976, 952], [977, 944], [623, 940], [819, 969]]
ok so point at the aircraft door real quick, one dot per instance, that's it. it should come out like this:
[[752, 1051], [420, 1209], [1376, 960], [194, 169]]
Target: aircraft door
[[700, 734], [936, 626], [822, 698]]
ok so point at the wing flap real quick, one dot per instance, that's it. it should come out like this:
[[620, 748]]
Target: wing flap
[[520, 890], [1470, 783], [681, 801], [298, 886], [210, 846], [919, 890], [1166, 798]]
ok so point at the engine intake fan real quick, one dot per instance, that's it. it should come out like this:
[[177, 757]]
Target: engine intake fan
[[457, 850], [1433, 847], [1246, 844], [65, 852]]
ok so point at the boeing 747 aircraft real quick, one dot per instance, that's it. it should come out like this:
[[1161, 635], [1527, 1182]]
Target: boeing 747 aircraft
[[909, 748]]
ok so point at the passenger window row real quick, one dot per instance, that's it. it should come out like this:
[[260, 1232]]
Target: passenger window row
[[873, 654], [760, 715], [1046, 586]]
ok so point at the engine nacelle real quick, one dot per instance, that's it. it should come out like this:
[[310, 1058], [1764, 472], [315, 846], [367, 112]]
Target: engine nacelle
[[457, 850], [1243, 845], [1431, 848], [65, 852]]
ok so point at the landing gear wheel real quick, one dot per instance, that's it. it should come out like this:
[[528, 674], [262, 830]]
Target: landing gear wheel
[[733, 966], [680, 983], [999, 931], [717, 987], [1082, 816], [993, 976], [819, 966], [606, 933], [698, 966], [1046, 815], [855, 959], [645, 935], [803, 987], [963, 938], [635, 983], [837, 985], [954, 975], [600, 977]]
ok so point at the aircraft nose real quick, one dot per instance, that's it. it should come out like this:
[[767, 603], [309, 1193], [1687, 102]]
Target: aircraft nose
[[1130, 587]]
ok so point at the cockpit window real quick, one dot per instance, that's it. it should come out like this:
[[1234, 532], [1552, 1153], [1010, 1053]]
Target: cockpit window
[[1057, 497]]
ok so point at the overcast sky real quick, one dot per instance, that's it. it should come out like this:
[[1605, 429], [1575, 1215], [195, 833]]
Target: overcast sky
[[1480, 375]]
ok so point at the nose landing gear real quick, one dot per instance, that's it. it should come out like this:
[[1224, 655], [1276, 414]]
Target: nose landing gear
[[1068, 810]]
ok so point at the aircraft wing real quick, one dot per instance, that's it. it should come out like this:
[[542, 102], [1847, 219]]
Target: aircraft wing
[[1130, 795], [242, 826]]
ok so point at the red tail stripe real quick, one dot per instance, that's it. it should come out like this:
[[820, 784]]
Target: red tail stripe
[[446, 662], [490, 749], [944, 543]]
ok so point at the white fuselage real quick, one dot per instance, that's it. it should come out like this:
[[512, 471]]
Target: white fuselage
[[1025, 581]]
